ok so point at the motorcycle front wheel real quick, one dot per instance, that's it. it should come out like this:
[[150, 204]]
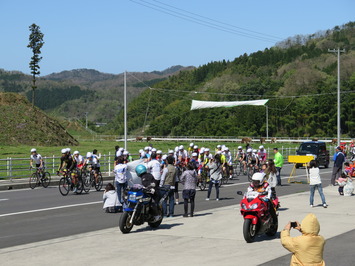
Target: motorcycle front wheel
[[273, 228], [124, 223], [249, 231]]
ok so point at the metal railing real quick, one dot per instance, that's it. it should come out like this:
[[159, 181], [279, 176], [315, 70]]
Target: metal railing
[[11, 168]]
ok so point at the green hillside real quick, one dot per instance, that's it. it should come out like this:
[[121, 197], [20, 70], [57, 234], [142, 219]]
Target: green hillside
[[69, 94], [21, 124], [297, 75]]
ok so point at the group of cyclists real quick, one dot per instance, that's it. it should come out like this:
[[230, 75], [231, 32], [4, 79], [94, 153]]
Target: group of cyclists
[[71, 164]]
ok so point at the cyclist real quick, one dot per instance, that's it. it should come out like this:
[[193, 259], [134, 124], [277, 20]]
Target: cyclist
[[96, 163], [229, 162], [79, 160], [252, 159], [154, 168], [37, 158], [195, 149], [242, 157], [67, 164], [262, 154], [190, 149], [182, 155]]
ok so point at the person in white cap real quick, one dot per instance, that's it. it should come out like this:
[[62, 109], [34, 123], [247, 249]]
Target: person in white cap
[[190, 148], [262, 154], [36, 158], [79, 160], [127, 157], [182, 155]]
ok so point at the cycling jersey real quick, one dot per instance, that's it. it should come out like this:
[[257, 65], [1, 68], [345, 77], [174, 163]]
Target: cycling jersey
[[37, 159], [95, 160], [79, 160], [207, 159], [228, 157], [252, 158], [262, 155], [182, 154], [67, 162]]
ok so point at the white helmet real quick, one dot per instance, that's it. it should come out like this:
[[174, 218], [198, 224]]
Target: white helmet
[[141, 150], [154, 150], [171, 152], [64, 151], [194, 154], [219, 146], [195, 147], [207, 149], [240, 147], [125, 153], [226, 149], [254, 151], [33, 150], [249, 150], [68, 149], [146, 148], [164, 157], [258, 177], [88, 155], [159, 152], [261, 147], [191, 144], [176, 149], [76, 152], [202, 150], [181, 147]]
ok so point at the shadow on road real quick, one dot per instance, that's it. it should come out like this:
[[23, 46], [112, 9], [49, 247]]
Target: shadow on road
[[202, 214], [161, 227]]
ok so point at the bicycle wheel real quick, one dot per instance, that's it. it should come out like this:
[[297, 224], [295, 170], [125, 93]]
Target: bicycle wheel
[[86, 182], [203, 183], [99, 183], [79, 186], [237, 169], [33, 180], [64, 186], [46, 179], [250, 171]]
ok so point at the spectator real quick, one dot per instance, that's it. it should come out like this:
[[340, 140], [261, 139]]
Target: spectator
[[271, 177], [339, 159], [315, 183], [342, 180], [111, 203], [308, 248], [167, 182], [120, 171], [215, 168], [189, 181], [279, 162]]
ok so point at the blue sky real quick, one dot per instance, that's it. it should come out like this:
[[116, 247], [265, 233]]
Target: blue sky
[[117, 35]]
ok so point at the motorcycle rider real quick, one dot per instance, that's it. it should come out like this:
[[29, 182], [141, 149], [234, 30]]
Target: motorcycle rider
[[260, 185], [149, 182]]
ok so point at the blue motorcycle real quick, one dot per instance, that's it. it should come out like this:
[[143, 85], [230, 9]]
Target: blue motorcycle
[[138, 210]]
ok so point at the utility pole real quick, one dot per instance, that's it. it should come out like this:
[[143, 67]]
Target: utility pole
[[86, 120], [338, 51], [125, 109], [267, 122]]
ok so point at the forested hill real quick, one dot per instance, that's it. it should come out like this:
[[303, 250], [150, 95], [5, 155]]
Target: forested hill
[[299, 76], [70, 94]]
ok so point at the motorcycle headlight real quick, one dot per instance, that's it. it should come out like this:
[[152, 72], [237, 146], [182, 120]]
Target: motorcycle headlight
[[253, 206], [132, 197], [244, 206]]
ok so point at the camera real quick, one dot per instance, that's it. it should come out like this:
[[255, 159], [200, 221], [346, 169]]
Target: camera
[[293, 224]]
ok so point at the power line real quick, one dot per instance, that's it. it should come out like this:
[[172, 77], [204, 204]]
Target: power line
[[220, 22], [203, 22], [250, 95]]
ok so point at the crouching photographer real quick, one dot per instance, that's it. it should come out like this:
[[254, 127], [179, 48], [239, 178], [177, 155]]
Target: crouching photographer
[[306, 249]]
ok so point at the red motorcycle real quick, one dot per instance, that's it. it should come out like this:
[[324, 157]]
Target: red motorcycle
[[257, 217]]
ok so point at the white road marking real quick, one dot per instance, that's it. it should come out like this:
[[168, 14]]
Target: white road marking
[[3, 199], [49, 209]]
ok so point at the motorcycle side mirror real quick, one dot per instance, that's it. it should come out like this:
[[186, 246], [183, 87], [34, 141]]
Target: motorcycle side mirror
[[240, 193]]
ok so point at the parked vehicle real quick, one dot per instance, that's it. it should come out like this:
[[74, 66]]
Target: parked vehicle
[[257, 217], [317, 149]]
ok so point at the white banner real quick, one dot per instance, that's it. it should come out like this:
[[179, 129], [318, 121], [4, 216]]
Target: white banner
[[206, 104]]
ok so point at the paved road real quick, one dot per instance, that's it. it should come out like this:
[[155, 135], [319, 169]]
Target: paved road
[[28, 216]]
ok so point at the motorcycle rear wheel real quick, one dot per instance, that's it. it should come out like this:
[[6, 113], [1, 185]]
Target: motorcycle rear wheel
[[273, 229], [248, 231], [124, 223]]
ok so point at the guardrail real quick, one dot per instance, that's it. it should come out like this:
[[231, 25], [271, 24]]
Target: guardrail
[[20, 167], [12, 168]]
